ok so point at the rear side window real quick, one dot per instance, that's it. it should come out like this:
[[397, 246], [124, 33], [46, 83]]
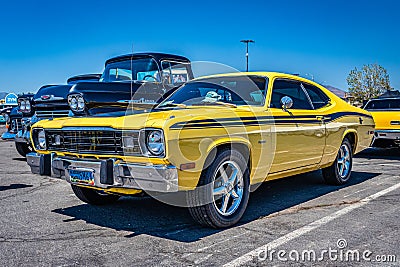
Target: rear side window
[[292, 89], [318, 98], [383, 104], [174, 73]]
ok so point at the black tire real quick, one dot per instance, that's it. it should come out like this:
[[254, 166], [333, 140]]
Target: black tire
[[23, 148], [332, 174], [202, 204], [94, 197]]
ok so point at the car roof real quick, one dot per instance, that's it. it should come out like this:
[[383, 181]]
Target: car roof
[[156, 56], [268, 74]]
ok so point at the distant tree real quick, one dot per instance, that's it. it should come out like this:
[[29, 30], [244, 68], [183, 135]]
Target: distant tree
[[369, 82]]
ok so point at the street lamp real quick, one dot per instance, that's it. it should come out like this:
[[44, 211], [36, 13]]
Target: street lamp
[[247, 52]]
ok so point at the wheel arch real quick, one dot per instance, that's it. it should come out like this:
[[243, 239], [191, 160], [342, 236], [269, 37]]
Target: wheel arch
[[243, 146], [351, 134]]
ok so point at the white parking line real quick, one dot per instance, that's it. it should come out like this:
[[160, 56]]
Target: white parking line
[[305, 229]]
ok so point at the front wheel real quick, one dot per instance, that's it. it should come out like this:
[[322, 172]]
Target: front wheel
[[23, 148], [222, 194], [339, 173], [94, 197]]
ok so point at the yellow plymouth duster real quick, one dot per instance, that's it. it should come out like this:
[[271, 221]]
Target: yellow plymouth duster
[[386, 114], [214, 139]]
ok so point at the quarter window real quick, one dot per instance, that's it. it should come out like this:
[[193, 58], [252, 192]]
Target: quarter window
[[292, 89], [318, 98]]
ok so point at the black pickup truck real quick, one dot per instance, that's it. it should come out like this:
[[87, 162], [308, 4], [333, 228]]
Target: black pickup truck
[[49, 102], [143, 79], [140, 79]]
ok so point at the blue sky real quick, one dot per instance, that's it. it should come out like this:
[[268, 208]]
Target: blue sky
[[45, 42]]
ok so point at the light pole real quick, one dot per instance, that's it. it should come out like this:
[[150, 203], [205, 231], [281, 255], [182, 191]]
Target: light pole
[[247, 52]]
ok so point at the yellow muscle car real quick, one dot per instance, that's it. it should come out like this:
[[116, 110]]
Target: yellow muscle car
[[386, 114], [214, 139]]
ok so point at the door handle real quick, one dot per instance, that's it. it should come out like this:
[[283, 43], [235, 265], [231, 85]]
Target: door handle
[[322, 118]]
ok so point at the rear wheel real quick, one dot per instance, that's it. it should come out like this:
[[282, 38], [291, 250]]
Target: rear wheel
[[223, 191], [94, 197], [23, 148], [339, 173]]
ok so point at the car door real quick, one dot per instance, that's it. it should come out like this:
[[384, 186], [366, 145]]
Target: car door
[[300, 130]]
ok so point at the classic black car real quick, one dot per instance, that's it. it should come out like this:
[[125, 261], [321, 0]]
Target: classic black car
[[141, 78], [50, 101], [12, 116]]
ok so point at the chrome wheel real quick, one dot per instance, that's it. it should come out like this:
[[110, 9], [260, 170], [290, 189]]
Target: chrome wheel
[[228, 188], [344, 161]]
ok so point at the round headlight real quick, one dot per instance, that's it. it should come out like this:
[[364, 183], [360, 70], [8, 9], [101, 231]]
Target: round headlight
[[155, 142], [22, 105], [80, 103], [42, 139], [27, 106], [73, 103]]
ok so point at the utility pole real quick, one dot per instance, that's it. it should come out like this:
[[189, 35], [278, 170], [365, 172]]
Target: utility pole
[[247, 52]]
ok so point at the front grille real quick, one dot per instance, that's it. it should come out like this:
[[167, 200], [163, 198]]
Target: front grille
[[16, 125], [92, 141], [52, 113]]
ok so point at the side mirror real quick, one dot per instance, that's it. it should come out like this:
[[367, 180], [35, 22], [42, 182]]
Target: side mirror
[[286, 102]]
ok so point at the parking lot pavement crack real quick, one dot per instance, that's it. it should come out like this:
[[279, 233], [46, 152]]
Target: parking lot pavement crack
[[73, 235], [42, 185]]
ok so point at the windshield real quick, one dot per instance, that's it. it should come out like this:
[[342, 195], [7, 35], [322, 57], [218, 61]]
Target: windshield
[[135, 69], [237, 91], [383, 104]]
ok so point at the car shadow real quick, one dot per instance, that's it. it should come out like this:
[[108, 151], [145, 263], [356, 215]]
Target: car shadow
[[19, 159], [14, 186], [380, 153], [148, 216]]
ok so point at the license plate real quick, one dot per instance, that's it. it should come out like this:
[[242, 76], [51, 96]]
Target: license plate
[[81, 177]]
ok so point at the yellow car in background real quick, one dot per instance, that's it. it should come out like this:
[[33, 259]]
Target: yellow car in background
[[214, 139], [386, 113]]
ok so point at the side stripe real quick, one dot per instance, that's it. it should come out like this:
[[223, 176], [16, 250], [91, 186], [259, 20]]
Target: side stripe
[[263, 120]]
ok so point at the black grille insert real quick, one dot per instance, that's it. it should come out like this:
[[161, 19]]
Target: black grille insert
[[88, 141]]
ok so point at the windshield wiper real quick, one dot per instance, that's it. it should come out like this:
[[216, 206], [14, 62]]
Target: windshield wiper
[[218, 103]]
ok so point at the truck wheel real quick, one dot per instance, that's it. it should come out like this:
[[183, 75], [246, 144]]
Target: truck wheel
[[221, 196], [94, 197], [23, 148], [339, 173]]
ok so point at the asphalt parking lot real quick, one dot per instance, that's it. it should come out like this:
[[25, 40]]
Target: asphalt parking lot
[[42, 223]]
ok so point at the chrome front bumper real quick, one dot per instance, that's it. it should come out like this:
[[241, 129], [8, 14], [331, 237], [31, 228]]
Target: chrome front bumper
[[8, 136], [23, 136], [108, 173]]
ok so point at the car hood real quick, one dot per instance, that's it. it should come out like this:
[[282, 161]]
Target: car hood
[[166, 119], [55, 91]]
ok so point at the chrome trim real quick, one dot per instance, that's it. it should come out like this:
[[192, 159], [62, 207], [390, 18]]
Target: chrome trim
[[7, 136], [51, 98], [33, 160], [52, 114], [156, 178], [389, 134]]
